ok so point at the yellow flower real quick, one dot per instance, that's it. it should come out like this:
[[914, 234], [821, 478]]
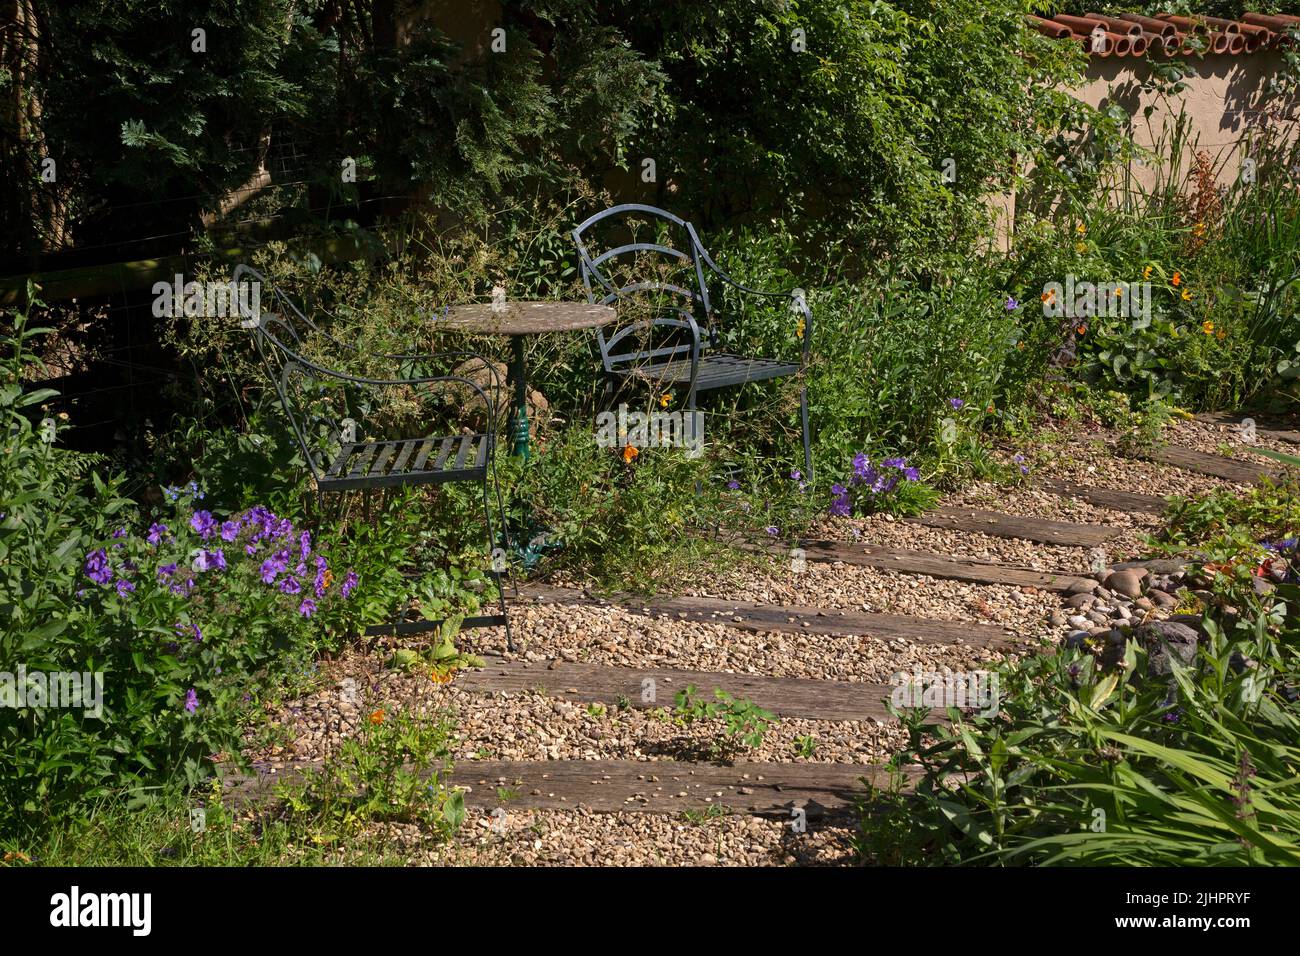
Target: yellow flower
[[1021, 346], [1146, 273], [799, 331], [1198, 230], [1187, 295], [1080, 247], [1221, 334], [629, 453], [664, 399], [1081, 229], [377, 717], [1207, 327]]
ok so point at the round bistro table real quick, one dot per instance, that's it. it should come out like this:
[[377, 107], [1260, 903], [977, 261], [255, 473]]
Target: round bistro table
[[517, 320]]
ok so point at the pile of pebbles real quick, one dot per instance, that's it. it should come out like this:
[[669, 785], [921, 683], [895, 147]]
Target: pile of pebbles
[[1120, 598]]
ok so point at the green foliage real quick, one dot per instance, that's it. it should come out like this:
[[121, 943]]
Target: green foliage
[[744, 722], [392, 771]]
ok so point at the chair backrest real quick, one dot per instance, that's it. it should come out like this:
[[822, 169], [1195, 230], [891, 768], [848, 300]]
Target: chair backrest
[[309, 398], [645, 260]]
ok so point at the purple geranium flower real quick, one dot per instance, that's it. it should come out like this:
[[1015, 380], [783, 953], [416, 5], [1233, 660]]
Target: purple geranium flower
[[957, 403], [349, 582], [773, 530], [230, 530], [209, 560], [1012, 304], [97, 566], [912, 474], [156, 532], [191, 701], [733, 484], [796, 474], [203, 523], [840, 506], [307, 608], [166, 570], [124, 587], [290, 585]]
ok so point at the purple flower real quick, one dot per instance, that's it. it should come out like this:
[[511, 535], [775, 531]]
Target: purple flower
[[733, 484], [838, 490], [120, 533], [156, 532], [307, 608], [304, 545], [349, 582], [840, 506], [861, 465], [899, 463], [912, 474], [208, 560], [97, 566], [956, 403], [230, 530], [124, 587], [290, 585], [796, 474], [203, 523], [1012, 304], [191, 701], [272, 567], [773, 530], [166, 570]]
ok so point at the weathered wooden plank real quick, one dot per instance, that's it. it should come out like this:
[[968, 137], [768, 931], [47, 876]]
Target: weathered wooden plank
[[938, 566], [1223, 418], [790, 619], [644, 786], [665, 786], [1016, 526], [1203, 463], [1107, 497], [650, 687]]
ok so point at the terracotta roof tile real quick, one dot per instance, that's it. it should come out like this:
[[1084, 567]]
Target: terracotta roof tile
[[1132, 35]]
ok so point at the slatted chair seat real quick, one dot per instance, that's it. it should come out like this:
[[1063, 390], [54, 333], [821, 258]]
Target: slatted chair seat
[[716, 370], [412, 461]]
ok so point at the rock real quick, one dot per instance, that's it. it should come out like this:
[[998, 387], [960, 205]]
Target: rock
[[1127, 581], [1144, 604], [1084, 586], [1074, 640], [1080, 601], [1104, 594], [1162, 599], [1079, 621], [1098, 617], [1163, 639], [1121, 614], [1057, 619]]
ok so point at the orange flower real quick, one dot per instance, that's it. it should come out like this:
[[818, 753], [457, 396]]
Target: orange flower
[[629, 453], [1198, 230], [1048, 296], [1081, 329], [327, 578], [377, 717], [1207, 327], [439, 678], [1221, 334], [664, 399], [1177, 279]]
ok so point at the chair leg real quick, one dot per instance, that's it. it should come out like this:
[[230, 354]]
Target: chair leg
[[501, 591], [807, 445]]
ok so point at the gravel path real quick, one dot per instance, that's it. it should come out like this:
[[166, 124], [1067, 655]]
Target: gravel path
[[531, 726]]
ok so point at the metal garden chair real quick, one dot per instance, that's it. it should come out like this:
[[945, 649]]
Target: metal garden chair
[[676, 339], [312, 396]]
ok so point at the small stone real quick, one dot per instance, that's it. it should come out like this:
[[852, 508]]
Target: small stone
[[1162, 599], [1079, 621], [1080, 601], [1083, 586], [1163, 638], [1128, 581], [1097, 617], [1144, 604], [1057, 619]]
